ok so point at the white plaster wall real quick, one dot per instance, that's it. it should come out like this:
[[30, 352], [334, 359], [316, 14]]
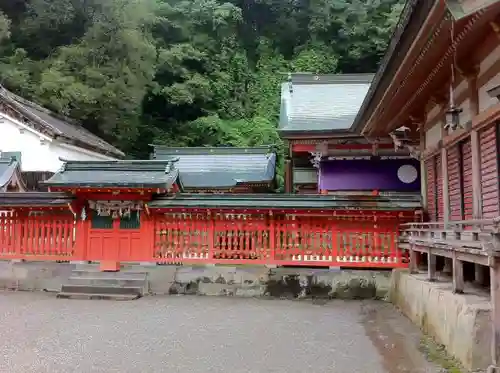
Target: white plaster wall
[[433, 135], [38, 152], [485, 101]]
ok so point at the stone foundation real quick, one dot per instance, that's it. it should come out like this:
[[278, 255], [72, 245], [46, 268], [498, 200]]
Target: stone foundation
[[243, 281], [461, 322]]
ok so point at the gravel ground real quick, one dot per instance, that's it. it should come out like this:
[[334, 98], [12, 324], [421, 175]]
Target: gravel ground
[[203, 334]]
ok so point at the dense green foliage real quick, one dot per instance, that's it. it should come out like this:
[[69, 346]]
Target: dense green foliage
[[182, 72]]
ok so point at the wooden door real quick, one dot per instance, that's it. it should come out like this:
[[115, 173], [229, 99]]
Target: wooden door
[[102, 243], [115, 239]]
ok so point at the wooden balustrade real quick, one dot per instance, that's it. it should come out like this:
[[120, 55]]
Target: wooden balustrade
[[474, 241]]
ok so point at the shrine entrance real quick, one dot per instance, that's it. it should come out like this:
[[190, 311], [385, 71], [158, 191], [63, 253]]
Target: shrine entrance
[[115, 234]]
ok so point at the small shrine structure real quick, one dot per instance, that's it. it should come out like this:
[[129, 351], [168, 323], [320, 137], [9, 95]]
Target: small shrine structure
[[223, 169]]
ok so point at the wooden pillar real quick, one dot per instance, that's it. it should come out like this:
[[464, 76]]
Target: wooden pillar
[[423, 170], [458, 274], [474, 137], [288, 176], [431, 266], [495, 310], [479, 274], [446, 192]]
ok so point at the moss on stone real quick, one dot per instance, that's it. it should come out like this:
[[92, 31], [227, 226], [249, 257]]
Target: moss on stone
[[436, 353]]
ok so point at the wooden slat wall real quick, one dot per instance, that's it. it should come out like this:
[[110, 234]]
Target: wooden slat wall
[[454, 183], [489, 171], [439, 188], [466, 156], [430, 167]]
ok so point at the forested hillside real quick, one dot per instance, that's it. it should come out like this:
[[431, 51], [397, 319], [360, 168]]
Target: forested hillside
[[182, 72]]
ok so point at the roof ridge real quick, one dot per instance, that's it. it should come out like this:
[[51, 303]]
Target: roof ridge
[[214, 150], [28, 106]]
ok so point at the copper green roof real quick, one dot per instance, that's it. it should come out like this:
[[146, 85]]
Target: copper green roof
[[397, 202], [128, 174], [221, 167]]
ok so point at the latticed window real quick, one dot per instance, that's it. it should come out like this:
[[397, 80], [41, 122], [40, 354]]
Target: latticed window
[[132, 221], [101, 222]]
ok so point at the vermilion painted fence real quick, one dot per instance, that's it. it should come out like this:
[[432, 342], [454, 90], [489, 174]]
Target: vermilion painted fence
[[209, 238], [282, 240], [37, 237]]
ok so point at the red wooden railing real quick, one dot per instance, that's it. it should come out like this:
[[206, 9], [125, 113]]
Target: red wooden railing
[[211, 237], [37, 237], [281, 240]]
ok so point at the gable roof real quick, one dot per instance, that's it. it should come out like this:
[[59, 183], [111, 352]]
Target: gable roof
[[116, 174], [55, 126], [321, 103], [10, 170], [221, 167], [410, 22]]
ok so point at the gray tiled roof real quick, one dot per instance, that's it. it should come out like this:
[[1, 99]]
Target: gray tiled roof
[[134, 174], [8, 167], [221, 167], [402, 201], [34, 199], [321, 102], [63, 128]]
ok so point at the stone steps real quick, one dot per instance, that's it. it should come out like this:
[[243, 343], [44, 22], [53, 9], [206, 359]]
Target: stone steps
[[93, 284], [67, 295]]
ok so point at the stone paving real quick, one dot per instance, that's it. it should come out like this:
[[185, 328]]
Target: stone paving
[[204, 334]]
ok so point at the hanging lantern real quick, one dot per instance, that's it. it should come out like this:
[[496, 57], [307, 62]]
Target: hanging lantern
[[453, 117], [453, 113]]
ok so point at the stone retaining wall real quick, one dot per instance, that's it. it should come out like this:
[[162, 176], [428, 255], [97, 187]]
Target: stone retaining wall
[[245, 281], [461, 322]]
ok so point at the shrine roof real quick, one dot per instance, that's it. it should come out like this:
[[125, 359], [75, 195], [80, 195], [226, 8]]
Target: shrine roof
[[34, 199], [63, 128], [119, 174], [221, 167], [9, 169], [396, 202], [321, 103]]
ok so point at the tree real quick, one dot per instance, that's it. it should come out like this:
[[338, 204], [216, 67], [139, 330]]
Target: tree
[[4, 27], [182, 72]]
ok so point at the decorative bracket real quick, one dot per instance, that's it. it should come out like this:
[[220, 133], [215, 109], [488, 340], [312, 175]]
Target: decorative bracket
[[321, 151], [402, 141]]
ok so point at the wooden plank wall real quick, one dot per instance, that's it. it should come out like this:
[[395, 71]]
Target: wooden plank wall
[[439, 188], [460, 179], [430, 166], [488, 147], [466, 179], [454, 183]]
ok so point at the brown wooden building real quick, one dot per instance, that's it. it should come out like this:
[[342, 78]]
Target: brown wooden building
[[439, 84]]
